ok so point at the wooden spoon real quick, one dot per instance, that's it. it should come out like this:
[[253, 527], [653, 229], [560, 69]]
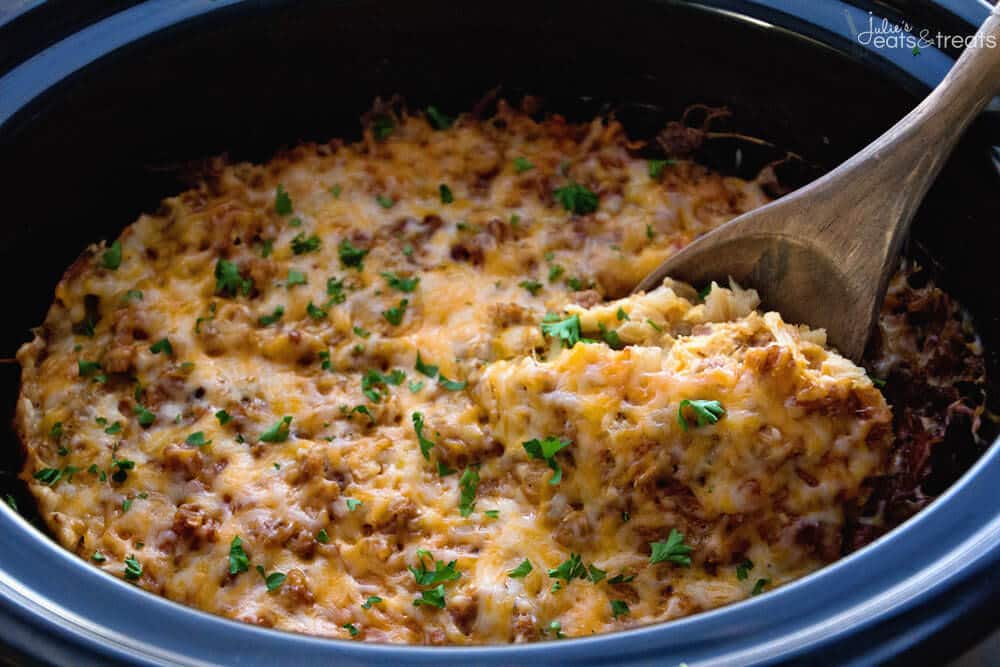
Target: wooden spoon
[[823, 254]]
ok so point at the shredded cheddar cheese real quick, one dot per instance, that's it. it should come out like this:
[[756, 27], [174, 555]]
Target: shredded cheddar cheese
[[395, 391]]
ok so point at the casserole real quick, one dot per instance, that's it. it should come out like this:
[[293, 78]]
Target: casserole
[[189, 141]]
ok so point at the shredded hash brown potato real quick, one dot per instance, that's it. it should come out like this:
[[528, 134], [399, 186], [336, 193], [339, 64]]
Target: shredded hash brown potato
[[395, 391]]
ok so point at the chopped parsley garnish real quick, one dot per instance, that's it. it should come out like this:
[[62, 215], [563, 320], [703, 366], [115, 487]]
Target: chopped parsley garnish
[[274, 580], [758, 587], [619, 608], [402, 284], [416, 385], [468, 484], [123, 465], [574, 284], [48, 476], [385, 201], [570, 569], [706, 412], [114, 429], [621, 579], [546, 450], [266, 248], [622, 315], [350, 256], [354, 632], [383, 126], [438, 120], [372, 600], [418, 428], [555, 270], [11, 503], [335, 290], [322, 536], [127, 504], [655, 326], [522, 164], [656, 167], [440, 573], [444, 470], [493, 514], [278, 431], [132, 294], [451, 385], [427, 369], [672, 551], [315, 312], [197, 439], [446, 195], [282, 202], [352, 504], [568, 330], [611, 337], [555, 627], [112, 257], [87, 368], [133, 568], [576, 198], [228, 280], [431, 598], [361, 332], [223, 417], [56, 431], [596, 574], [878, 382], [395, 315], [295, 222], [650, 234], [363, 409], [743, 569], [162, 345], [295, 277], [302, 244], [325, 363], [267, 320], [98, 557], [532, 286], [372, 378], [335, 191], [521, 571]]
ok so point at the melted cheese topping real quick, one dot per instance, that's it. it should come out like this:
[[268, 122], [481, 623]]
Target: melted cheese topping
[[340, 498]]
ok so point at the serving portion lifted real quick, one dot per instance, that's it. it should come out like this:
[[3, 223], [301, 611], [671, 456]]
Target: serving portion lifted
[[396, 391]]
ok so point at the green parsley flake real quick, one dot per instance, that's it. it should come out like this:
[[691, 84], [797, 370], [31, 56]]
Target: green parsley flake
[[145, 417], [444, 470], [468, 484], [619, 608], [295, 277], [431, 598], [383, 126], [372, 600], [223, 417], [576, 198], [56, 431], [385, 201], [335, 191], [322, 537], [743, 569], [114, 429], [451, 385], [568, 330], [229, 282], [656, 168], [278, 431], [622, 315], [352, 504], [395, 315], [98, 557], [197, 439], [282, 202], [521, 571], [133, 568], [302, 244], [446, 195], [351, 256], [112, 257], [522, 164], [418, 427], [427, 369], [672, 551], [706, 412], [361, 332], [402, 284], [274, 580], [533, 286], [87, 368], [546, 450], [438, 120], [315, 312], [439, 574], [758, 587], [570, 569], [267, 320], [162, 345]]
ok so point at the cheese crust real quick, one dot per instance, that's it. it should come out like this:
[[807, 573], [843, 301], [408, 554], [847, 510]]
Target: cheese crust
[[288, 407]]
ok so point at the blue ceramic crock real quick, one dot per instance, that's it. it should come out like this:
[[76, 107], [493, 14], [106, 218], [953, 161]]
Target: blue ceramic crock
[[922, 580]]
